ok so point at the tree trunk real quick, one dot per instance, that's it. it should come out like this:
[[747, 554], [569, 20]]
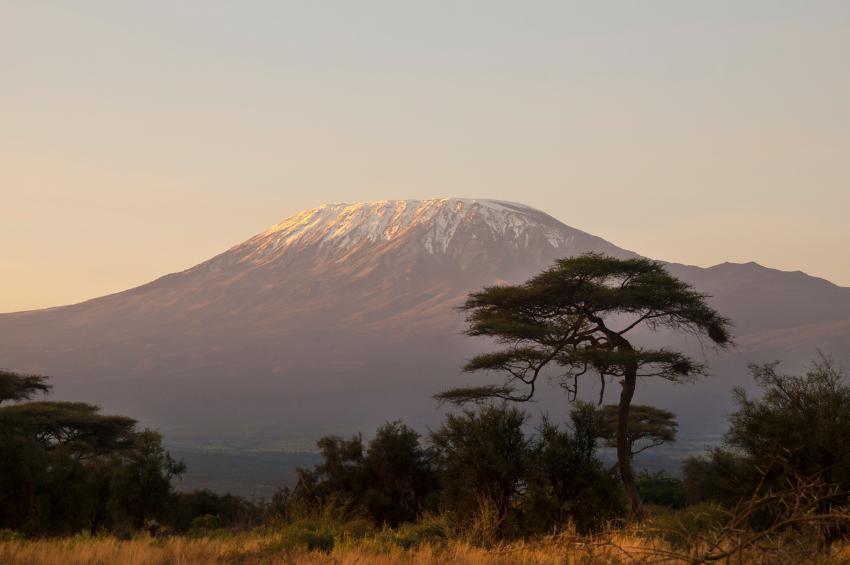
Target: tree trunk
[[629, 382]]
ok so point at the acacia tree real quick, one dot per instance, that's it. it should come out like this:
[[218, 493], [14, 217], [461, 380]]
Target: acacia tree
[[572, 320], [646, 423], [17, 387]]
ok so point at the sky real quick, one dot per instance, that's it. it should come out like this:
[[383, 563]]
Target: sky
[[141, 138]]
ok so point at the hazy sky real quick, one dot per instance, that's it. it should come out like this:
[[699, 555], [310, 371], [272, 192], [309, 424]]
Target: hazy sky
[[141, 138]]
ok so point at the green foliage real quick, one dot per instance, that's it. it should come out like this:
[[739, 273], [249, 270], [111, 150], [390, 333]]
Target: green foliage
[[16, 387], [311, 536], [141, 487], [66, 468], [22, 463], [356, 529], [209, 525], [76, 425], [645, 423], [573, 320], [570, 483], [208, 522], [482, 456], [799, 427], [661, 489], [233, 510], [499, 482], [12, 536], [495, 481], [558, 318], [391, 478], [314, 524]]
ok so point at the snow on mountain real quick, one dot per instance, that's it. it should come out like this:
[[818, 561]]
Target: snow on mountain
[[459, 227], [345, 226]]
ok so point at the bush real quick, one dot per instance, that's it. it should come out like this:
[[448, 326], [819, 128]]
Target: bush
[[357, 529], [391, 477], [12, 536], [64, 468], [207, 526], [661, 489], [569, 484], [483, 457], [233, 510], [800, 427]]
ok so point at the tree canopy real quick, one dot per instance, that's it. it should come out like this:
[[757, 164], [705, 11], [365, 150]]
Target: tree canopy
[[646, 423], [573, 319], [76, 425], [65, 467], [17, 387]]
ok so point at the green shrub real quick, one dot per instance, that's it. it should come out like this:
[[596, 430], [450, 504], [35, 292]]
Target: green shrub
[[209, 526], [12, 536], [311, 536], [434, 527], [390, 478], [232, 509], [661, 489], [798, 428], [357, 529]]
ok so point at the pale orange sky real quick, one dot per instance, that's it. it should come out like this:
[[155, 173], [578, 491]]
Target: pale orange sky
[[138, 139]]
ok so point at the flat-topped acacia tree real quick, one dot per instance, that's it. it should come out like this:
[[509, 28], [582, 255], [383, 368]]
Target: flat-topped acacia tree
[[572, 320]]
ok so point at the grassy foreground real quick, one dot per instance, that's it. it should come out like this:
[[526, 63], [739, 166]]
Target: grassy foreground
[[381, 549], [256, 551]]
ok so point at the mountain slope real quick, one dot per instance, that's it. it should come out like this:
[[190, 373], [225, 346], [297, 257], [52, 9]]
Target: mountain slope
[[343, 315], [322, 293]]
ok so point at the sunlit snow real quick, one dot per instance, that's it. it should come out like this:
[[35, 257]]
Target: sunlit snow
[[344, 226]]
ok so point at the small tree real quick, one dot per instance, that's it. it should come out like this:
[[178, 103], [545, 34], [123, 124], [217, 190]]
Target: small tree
[[649, 423], [571, 482], [398, 473], [483, 455], [141, 485], [390, 478], [573, 320]]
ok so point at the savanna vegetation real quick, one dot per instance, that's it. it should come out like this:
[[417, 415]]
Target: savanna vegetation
[[574, 320], [488, 484], [66, 468]]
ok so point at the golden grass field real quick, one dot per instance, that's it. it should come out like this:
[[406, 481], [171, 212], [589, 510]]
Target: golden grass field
[[250, 549]]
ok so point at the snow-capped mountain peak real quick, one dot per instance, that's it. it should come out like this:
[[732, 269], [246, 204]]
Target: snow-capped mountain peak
[[434, 223]]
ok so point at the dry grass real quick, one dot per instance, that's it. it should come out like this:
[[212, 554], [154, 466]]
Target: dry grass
[[255, 550], [179, 551]]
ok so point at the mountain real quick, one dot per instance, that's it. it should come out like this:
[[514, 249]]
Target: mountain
[[340, 318], [343, 307]]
